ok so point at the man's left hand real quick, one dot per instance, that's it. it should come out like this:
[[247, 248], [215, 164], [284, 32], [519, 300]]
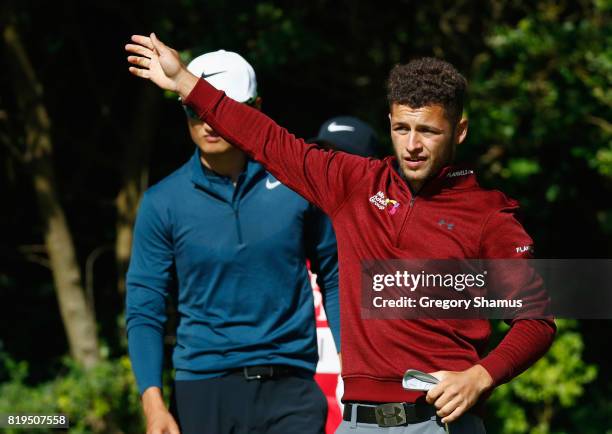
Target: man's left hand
[[457, 392]]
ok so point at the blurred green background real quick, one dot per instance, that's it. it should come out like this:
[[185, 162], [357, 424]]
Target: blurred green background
[[80, 140]]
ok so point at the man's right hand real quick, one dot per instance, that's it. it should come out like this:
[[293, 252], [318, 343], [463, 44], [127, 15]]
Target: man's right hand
[[159, 63], [159, 419]]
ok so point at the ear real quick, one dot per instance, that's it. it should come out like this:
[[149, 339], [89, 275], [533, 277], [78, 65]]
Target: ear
[[391, 107], [461, 130]]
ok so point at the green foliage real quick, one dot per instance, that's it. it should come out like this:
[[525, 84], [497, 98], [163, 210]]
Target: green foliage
[[543, 88], [101, 400], [531, 402], [540, 108], [520, 168]]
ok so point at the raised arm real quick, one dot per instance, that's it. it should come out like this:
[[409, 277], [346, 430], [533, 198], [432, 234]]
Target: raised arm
[[325, 178]]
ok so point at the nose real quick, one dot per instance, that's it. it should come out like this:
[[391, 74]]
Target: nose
[[413, 146], [208, 129]]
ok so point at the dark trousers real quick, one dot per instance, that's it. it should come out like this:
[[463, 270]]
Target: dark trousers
[[233, 404]]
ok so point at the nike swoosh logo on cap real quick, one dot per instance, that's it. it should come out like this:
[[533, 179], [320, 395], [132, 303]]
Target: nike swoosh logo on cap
[[334, 127], [211, 74], [272, 185]]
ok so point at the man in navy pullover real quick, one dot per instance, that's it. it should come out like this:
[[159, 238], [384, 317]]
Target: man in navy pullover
[[234, 241]]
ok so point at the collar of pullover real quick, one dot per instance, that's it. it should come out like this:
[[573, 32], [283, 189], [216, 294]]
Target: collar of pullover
[[449, 178], [216, 184]]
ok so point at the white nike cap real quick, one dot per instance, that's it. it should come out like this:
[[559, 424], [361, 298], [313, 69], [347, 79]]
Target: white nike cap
[[226, 71]]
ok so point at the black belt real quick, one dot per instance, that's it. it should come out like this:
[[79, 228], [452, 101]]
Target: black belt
[[391, 414], [265, 372]]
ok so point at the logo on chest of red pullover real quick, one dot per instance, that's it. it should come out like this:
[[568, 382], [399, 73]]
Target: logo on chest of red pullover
[[381, 202]]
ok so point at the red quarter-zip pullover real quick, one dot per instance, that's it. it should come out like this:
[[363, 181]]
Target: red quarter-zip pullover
[[375, 216]]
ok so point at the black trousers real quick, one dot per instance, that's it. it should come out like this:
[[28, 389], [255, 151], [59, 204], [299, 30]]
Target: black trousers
[[235, 405]]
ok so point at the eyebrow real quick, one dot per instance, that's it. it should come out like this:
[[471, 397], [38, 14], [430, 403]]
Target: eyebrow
[[418, 127]]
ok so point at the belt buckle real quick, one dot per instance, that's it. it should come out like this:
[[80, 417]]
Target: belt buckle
[[247, 376], [390, 414]]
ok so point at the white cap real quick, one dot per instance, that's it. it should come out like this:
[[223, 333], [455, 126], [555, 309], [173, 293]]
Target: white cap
[[226, 71]]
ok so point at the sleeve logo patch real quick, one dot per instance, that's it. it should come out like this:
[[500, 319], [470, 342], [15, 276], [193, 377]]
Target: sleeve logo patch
[[523, 249]]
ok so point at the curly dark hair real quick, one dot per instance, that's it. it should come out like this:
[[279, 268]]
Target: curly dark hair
[[428, 81]]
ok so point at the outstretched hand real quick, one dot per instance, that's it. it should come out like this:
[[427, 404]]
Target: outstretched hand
[[159, 63]]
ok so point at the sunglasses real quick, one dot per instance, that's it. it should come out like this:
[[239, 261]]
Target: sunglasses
[[251, 102]]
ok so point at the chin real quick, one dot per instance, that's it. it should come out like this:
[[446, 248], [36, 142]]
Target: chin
[[214, 148], [414, 175]]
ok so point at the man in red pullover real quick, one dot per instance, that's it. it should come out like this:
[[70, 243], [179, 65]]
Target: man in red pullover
[[413, 205]]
